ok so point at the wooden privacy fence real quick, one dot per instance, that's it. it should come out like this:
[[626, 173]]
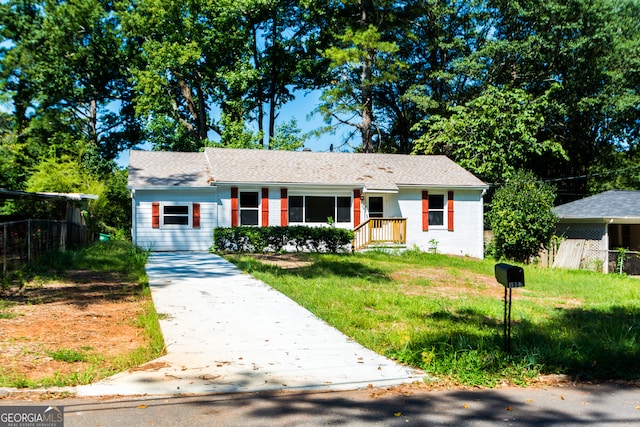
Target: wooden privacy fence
[[23, 241]]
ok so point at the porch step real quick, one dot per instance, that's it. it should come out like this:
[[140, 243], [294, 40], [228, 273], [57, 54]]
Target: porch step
[[382, 246]]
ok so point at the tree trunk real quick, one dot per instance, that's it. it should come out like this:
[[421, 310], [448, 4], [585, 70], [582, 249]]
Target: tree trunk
[[93, 122], [259, 86], [366, 9], [274, 77]]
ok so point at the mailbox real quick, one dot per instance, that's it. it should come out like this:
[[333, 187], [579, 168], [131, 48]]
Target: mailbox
[[509, 276]]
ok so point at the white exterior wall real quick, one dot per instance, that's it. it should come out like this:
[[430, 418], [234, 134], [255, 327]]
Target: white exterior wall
[[174, 237], [466, 239], [224, 206], [215, 211]]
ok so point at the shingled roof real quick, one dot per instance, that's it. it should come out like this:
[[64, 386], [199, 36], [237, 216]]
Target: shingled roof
[[613, 204], [237, 166], [168, 169]]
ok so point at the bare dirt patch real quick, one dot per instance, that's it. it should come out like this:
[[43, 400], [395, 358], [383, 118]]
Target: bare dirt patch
[[88, 314], [285, 261], [443, 281]]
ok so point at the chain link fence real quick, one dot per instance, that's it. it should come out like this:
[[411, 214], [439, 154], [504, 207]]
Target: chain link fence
[[23, 241]]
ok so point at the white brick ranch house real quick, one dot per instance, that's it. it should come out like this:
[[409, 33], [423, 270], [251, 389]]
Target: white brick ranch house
[[179, 198]]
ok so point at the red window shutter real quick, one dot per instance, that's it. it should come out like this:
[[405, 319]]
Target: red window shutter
[[284, 207], [450, 211], [234, 207], [425, 211], [196, 215], [265, 207], [356, 207], [155, 215]]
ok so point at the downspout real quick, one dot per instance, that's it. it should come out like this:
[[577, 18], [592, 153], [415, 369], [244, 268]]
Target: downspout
[[133, 218]]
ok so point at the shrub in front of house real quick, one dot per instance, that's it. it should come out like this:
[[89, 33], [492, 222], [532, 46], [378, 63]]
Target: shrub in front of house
[[278, 239]]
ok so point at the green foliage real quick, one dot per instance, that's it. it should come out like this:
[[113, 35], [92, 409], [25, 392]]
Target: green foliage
[[276, 238], [521, 217], [288, 136], [190, 55], [493, 135], [61, 176], [360, 62], [582, 49], [111, 213], [67, 355], [101, 256], [499, 86], [235, 134]]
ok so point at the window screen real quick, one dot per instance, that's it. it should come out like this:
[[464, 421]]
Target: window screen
[[249, 203], [175, 215], [436, 209], [319, 209], [296, 208], [375, 207], [344, 209]]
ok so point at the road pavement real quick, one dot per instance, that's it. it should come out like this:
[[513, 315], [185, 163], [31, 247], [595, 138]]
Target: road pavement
[[568, 406]]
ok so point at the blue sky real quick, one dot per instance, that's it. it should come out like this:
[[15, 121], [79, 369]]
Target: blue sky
[[300, 108]]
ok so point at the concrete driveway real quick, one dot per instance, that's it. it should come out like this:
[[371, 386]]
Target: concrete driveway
[[228, 332]]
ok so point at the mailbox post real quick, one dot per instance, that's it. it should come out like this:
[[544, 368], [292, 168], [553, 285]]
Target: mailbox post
[[509, 276]]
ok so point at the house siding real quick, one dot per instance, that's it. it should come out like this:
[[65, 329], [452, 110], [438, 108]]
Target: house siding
[[467, 236], [275, 202], [216, 206], [174, 238]]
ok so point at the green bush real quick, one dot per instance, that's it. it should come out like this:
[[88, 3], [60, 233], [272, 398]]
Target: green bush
[[276, 238], [522, 217]]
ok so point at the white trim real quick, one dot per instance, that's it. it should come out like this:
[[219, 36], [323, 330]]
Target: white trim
[[258, 208], [445, 217], [189, 215]]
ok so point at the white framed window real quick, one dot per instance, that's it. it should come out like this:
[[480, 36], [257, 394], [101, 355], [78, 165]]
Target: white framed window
[[176, 214], [436, 210], [376, 207], [249, 205], [318, 209]]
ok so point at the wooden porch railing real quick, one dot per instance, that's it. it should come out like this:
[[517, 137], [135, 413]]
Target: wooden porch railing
[[380, 231]]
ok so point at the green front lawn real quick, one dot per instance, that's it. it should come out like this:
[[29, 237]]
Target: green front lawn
[[445, 314]]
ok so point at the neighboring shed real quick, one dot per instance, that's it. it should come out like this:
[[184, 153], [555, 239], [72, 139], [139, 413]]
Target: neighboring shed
[[595, 227], [179, 198], [71, 204], [45, 222]]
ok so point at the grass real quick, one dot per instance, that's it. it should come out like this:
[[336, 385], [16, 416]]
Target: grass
[[67, 355], [445, 315], [113, 258]]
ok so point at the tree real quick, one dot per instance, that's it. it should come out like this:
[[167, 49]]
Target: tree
[[434, 40], [360, 59], [82, 71], [587, 50], [287, 136], [280, 32], [190, 58], [21, 36], [493, 136], [521, 217]]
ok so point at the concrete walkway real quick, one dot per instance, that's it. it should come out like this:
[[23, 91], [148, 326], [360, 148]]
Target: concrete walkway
[[228, 332]]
